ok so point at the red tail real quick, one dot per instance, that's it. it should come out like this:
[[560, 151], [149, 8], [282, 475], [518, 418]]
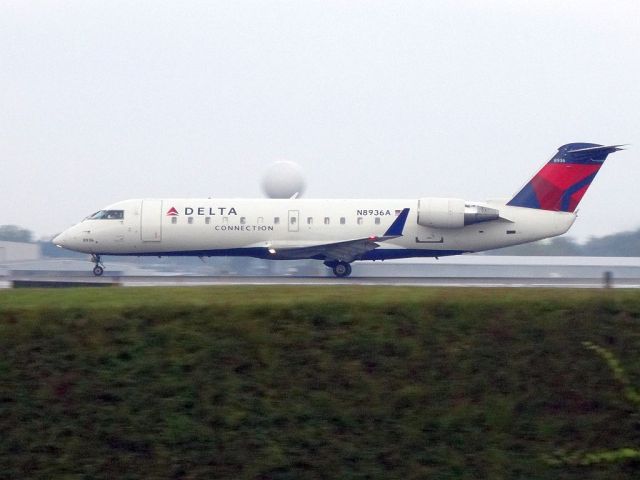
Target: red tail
[[561, 183]]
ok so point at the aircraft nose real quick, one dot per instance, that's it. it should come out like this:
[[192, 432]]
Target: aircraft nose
[[60, 240]]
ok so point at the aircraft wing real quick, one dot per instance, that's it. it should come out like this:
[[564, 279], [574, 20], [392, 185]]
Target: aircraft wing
[[345, 251]]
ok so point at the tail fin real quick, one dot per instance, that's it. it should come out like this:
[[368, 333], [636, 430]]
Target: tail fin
[[561, 183]]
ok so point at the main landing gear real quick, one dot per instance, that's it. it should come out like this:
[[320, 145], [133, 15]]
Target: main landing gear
[[99, 266], [340, 269]]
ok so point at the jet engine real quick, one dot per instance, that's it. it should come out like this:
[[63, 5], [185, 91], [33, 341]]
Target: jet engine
[[452, 213]]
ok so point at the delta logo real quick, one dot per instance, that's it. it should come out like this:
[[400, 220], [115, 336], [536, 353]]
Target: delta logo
[[210, 211]]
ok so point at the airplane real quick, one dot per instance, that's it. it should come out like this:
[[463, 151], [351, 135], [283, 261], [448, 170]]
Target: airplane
[[339, 232]]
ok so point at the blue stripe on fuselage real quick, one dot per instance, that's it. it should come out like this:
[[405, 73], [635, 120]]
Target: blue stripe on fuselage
[[257, 252]]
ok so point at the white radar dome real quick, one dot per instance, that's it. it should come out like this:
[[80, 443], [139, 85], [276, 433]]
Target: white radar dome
[[283, 179]]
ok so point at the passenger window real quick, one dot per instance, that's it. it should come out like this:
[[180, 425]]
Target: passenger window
[[310, 221], [260, 220], [243, 220], [343, 220], [174, 220], [225, 219], [276, 220], [190, 220], [327, 220], [377, 221], [359, 220], [207, 220]]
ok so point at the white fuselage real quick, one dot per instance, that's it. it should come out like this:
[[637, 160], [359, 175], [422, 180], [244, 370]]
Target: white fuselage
[[271, 228]]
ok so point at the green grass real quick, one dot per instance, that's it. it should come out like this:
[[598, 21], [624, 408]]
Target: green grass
[[314, 382]]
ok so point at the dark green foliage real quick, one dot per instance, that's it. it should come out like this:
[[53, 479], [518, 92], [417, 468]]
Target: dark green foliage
[[630, 393], [288, 383], [13, 233], [622, 244], [627, 242]]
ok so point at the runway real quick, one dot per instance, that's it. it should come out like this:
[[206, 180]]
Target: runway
[[187, 281], [384, 281]]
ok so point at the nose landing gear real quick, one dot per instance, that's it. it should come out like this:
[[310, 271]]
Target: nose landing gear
[[98, 269]]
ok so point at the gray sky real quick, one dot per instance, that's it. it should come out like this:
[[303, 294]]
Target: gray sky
[[103, 101]]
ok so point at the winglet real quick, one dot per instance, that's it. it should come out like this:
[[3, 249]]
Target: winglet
[[396, 228]]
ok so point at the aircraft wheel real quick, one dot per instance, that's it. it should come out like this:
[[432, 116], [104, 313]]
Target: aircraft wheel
[[98, 270], [342, 269]]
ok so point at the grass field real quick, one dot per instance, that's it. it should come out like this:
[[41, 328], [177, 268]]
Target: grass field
[[318, 382]]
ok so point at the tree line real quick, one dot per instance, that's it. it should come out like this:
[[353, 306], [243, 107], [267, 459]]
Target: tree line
[[622, 244]]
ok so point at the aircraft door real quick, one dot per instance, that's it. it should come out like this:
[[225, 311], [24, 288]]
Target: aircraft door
[[294, 220], [151, 221]]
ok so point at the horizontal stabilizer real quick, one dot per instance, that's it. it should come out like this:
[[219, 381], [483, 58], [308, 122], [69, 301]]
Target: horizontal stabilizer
[[599, 148]]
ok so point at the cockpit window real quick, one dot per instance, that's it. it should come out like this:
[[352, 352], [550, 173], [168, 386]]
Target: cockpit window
[[108, 215]]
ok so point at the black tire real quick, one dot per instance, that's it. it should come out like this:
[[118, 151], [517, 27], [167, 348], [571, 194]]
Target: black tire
[[342, 269], [98, 270]]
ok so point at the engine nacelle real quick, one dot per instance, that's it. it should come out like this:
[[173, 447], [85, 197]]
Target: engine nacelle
[[452, 213], [441, 212]]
